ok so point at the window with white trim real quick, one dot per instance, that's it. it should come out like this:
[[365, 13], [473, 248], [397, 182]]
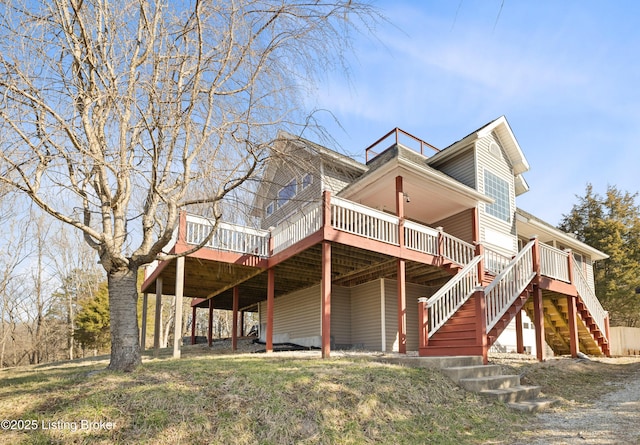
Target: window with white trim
[[270, 208], [307, 180], [287, 193], [498, 189]]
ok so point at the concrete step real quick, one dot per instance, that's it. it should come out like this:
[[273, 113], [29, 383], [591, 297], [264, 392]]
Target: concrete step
[[515, 394], [488, 381], [464, 372], [480, 384], [533, 406], [434, 362]]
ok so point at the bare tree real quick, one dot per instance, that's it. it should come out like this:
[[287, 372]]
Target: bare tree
[[116, 115]]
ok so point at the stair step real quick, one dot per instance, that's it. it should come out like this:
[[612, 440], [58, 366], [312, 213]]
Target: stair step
[[533, 406], [464, 372], [490, 382], [515, 394]]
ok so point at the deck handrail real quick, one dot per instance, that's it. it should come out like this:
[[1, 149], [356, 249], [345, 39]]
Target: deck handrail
[[554, 263], [420, 238], [349, 216], [450, 297], [589, 298], [396, 132], [494, 261], [456, 250], [289, 232], [503, 291], [227, 236]]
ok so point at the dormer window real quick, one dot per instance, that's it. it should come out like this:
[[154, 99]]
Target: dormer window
[[498, 189], [287, 193]]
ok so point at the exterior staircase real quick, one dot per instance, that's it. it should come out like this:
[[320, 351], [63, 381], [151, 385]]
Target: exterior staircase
[[488, 381], [471, 374], [466, 316]]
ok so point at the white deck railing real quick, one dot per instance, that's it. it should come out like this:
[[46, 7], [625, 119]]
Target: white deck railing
[[508, 285], [589, 298], [421, 238], [229, 237], [554, 263], [450, 297], [364, 221], [495, 262], [297, 228], [346, 216], [456, 250]]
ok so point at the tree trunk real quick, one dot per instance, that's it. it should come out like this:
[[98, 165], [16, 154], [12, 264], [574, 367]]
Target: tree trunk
[[123, 314]]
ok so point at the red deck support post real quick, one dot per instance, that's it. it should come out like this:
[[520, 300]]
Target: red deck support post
[[193, 325], [210, 324], [234, 329], [270, 297], [538, 321], [326, 210], [423, 323], [326, 299], [158, 317], [402, 295], [480, 251], [481, 324], [519, 337]]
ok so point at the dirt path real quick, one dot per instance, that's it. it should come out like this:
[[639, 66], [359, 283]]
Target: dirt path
[[613, 419]]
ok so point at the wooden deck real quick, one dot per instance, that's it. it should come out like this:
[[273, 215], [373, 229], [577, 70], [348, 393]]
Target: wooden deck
[[481, 291]]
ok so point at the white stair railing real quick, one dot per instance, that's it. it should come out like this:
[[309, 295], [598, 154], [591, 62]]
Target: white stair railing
[[589, 298], [508, 285], [495, 262], [450, 297], [456, 250], [554, 263]]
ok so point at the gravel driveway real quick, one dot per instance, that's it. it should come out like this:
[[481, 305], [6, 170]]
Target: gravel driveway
[[613, 419]]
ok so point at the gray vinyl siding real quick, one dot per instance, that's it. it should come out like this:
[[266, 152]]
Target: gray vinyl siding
[[302, 198], [297, 314], [335, 179], [365, 316], [459, 225], [461, 167], [500, 167], [341, 316], [413, 292]]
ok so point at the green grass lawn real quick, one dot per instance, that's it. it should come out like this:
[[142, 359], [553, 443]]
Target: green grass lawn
[[246, 399]]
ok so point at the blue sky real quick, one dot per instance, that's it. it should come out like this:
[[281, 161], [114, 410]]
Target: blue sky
[[565, 73]]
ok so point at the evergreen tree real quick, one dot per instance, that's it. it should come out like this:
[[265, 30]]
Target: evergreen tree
[[611, 223], [92, 321]]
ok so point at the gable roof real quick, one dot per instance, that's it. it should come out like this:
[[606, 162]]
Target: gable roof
[[284, 146], [502, 130]]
